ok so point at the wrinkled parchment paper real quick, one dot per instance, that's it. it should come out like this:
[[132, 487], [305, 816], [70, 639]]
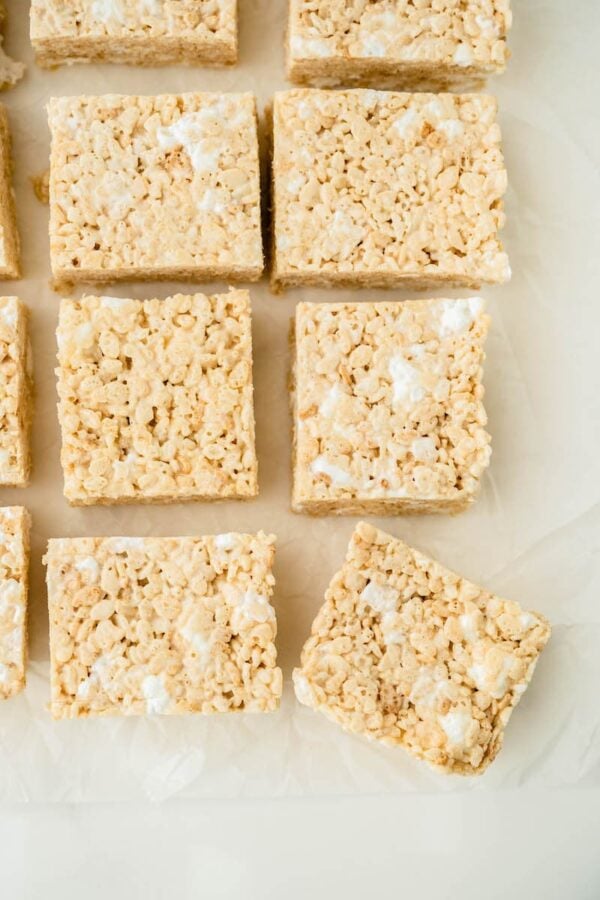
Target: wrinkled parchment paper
[[533, 536]]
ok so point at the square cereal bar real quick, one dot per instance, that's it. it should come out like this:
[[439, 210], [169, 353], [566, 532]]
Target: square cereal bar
[[387, 407], [9, 237], [162, 625], [154, 188], [379, 189], [156, 399], [435, 46], [10, 71], [148, 33], [14, 579], [15, 394], [408, 653]]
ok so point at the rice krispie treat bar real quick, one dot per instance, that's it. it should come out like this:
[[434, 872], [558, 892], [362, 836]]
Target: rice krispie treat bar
[[162, 187], [10, 71], [388, 412], [156, 399], [162, 625], [408, 653], [9, 236], [139, 32], [14, 578], [380, 189], [441, 45], [15, 394]]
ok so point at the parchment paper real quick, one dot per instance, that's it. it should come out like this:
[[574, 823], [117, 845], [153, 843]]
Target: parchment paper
[[533, 535]]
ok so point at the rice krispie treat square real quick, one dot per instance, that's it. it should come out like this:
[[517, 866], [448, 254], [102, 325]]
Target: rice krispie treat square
[[408, 653], [14, 579], [387, 407], [15, 394], [432, 45], [9, 236], [156, 399], [10, 71], [162, 625], [139, 32], [163, 187], [381, 189]]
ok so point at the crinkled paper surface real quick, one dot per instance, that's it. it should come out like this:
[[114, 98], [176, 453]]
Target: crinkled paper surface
[[533, 536]]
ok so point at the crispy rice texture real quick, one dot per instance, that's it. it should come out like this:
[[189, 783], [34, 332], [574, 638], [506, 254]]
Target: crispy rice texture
[[162, 626], [193, 32], [387, 405], [416, 46], [156, 399], [15, 394], [14, 579], [408, 653], [383, 189], [163, 187]]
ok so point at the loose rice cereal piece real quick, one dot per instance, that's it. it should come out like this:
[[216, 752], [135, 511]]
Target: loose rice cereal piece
[[15, 394], [388, 414], [428, 45], [162, 625], [408, 653], [14, 579], [156, 399], [148, 33], [147, 188], [381, 189]]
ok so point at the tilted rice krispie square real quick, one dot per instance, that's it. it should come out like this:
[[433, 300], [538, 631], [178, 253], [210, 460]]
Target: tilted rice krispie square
[[408, 653], [381, 189], [9, 237], [162, 187], [148, 33], [162, 625], [413, 46], [15, 394], [156, 399], [14, 580], [387, 405]]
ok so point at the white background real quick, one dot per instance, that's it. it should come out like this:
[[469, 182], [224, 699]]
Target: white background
[[537, 527]]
